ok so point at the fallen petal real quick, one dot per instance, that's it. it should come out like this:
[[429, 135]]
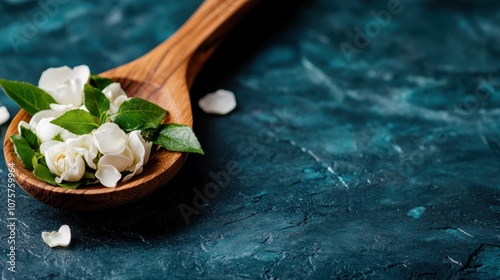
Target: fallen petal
[[57, 238], [4, 115], [220, 102]]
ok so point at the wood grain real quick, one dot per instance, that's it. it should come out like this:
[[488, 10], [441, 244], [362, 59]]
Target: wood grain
[[162, 76]]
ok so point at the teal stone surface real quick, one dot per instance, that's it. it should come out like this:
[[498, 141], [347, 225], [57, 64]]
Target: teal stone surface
[[365, 144]]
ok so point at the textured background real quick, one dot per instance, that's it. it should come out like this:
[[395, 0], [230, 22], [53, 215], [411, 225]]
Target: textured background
[[380, 164]]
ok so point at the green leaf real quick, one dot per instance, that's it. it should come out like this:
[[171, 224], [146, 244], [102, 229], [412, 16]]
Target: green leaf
[[31, 138], [42, 172], [23, 150], [89, 175], [95, 101], [99, 82], [139, 114], [77, 121], [29, 97], [70, 185], [149, 133], [58, 137], [178, 138], [88, 181]]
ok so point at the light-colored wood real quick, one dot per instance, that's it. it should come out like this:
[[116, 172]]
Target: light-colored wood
[[162, 76]]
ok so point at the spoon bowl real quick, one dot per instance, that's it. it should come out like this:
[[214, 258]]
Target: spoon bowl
[[162, 76]]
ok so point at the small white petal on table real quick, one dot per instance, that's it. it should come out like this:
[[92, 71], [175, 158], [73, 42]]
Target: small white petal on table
[[57, 238], [220, 102], [4, 115]]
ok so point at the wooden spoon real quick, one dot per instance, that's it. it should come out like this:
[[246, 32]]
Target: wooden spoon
[[162, 76]]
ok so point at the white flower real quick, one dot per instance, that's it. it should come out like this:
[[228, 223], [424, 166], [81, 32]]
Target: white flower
[[40, 124], [112, 141], [63, 160], [84, 144], [140, 150], [64, 84], [116, 96], [110, 138], [121, 152], [47, 131], [57, 238], [110, 166], [37, 117]]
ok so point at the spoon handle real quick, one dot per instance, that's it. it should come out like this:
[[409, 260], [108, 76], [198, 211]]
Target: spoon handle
[[196, 40]]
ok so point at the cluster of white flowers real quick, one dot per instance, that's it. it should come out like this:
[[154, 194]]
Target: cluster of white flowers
[[107, 150]]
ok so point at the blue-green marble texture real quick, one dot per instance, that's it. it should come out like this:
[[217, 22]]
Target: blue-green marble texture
[[378, 163]]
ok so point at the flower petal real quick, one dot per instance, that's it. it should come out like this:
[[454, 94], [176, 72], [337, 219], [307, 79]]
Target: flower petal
[[22, 124], [47, 131], [61, 108], [81, 73], [66, 135], [141, 151], [4, 114], [119, 161], [84, 145], [52, 77], [108, 175], [109, 138], [75, 168], [116, 96], [35, 119], [113, 91], [69, 93], [220, 102], [47, 144], [136, 144], [63, 161], [58, 238], [136, 172]]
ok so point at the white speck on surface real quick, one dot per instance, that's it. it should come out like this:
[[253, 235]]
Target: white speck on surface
[[397, 148], [62, 237], [464, 232], [203, 247], [4, 115], [455, 261], [314, 156], [220, 102], [416, 212]]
